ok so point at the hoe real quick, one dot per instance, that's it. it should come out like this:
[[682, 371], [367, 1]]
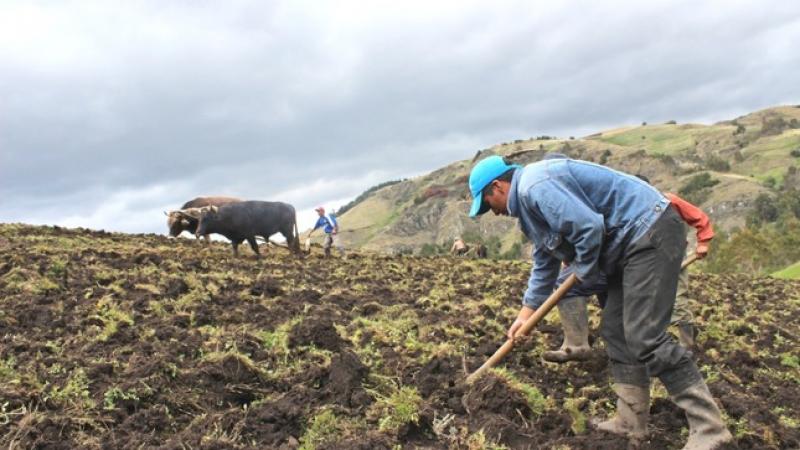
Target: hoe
[[534, 319]]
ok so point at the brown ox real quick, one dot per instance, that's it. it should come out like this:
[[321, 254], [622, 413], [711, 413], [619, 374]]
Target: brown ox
[[186, 218]]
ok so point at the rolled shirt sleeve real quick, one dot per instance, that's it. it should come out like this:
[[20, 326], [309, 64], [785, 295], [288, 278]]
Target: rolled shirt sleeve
[[694, 216]]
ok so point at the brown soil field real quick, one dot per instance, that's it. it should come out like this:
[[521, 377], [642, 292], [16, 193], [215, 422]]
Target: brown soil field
[[115, 341]]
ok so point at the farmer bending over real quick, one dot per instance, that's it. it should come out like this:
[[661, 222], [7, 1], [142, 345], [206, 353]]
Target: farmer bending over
[[572, 308], [601, 221], [459, 247]]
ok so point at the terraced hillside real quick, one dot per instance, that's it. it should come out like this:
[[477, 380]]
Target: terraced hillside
[[120, 341], [751, 155]]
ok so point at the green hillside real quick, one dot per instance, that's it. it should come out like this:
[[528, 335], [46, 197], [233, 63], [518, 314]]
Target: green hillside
[[790, 273], [756, 154]]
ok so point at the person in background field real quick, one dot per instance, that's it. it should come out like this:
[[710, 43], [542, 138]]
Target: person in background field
[[573, 308], [331, 228], [459, 247], [607, 223]]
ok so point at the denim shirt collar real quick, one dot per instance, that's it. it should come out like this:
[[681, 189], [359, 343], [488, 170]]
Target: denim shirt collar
[[512, 204]]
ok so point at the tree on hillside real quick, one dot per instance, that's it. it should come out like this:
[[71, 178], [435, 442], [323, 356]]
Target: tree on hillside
[[714, 162], [773, 125], [697, 189], [747, 250], [765, 209]]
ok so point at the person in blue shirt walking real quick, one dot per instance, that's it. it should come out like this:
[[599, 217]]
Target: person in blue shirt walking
[[331, 228], [606, 223]]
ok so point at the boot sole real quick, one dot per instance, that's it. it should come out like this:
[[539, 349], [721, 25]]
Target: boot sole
[[562, 357]]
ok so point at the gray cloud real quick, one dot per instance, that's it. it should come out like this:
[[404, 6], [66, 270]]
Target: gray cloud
[[114, 112]]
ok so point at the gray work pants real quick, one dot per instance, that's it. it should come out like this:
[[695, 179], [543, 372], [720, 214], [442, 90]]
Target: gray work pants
[[641, 296]]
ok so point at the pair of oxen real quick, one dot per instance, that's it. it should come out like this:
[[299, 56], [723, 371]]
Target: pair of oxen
[[236, 219]]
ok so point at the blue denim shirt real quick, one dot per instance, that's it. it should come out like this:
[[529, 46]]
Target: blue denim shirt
[[581, 213]]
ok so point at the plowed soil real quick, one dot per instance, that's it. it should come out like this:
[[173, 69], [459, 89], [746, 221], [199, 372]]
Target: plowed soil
[[120, 341]]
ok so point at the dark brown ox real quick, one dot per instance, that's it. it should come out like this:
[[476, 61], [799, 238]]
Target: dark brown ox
[[246, 220], [183, 220]]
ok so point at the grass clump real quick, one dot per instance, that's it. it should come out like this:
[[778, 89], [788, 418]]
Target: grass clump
[[573, 407], [29, 282], [536, 400], [8, 373], [400, 408], [276, 341], [790, 360], [325, 427], [75, 391], [479, 441], [112, 317], [115, 394]]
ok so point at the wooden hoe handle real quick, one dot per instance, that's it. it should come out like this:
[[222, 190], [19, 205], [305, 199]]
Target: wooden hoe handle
[[526, 328], [686, 262]]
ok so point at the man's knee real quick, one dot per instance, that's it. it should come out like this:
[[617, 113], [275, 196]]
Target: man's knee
[[657, 355], [640, 348]]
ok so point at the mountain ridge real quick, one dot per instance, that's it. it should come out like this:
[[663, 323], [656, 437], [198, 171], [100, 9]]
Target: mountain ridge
[[751, 155]]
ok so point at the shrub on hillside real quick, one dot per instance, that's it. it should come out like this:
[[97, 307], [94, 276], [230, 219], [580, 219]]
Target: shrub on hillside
[[795, 153], [757, 249], [698, 187], [429, 249], [515, 252], [717, 163], [765, 209], [604, 156], [666, 159], [773, 125], [790, 203]]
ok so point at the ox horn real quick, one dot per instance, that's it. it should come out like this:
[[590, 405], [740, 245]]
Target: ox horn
[[193, 213]]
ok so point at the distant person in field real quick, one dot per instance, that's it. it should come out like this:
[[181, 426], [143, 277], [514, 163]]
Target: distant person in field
[[459, 248], [331, 228], [606, 223], [573, 308]]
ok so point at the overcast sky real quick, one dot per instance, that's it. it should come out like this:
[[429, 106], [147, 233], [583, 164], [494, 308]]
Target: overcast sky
[[111, 112]]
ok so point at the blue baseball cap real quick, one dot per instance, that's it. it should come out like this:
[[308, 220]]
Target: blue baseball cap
[[486, 171]]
